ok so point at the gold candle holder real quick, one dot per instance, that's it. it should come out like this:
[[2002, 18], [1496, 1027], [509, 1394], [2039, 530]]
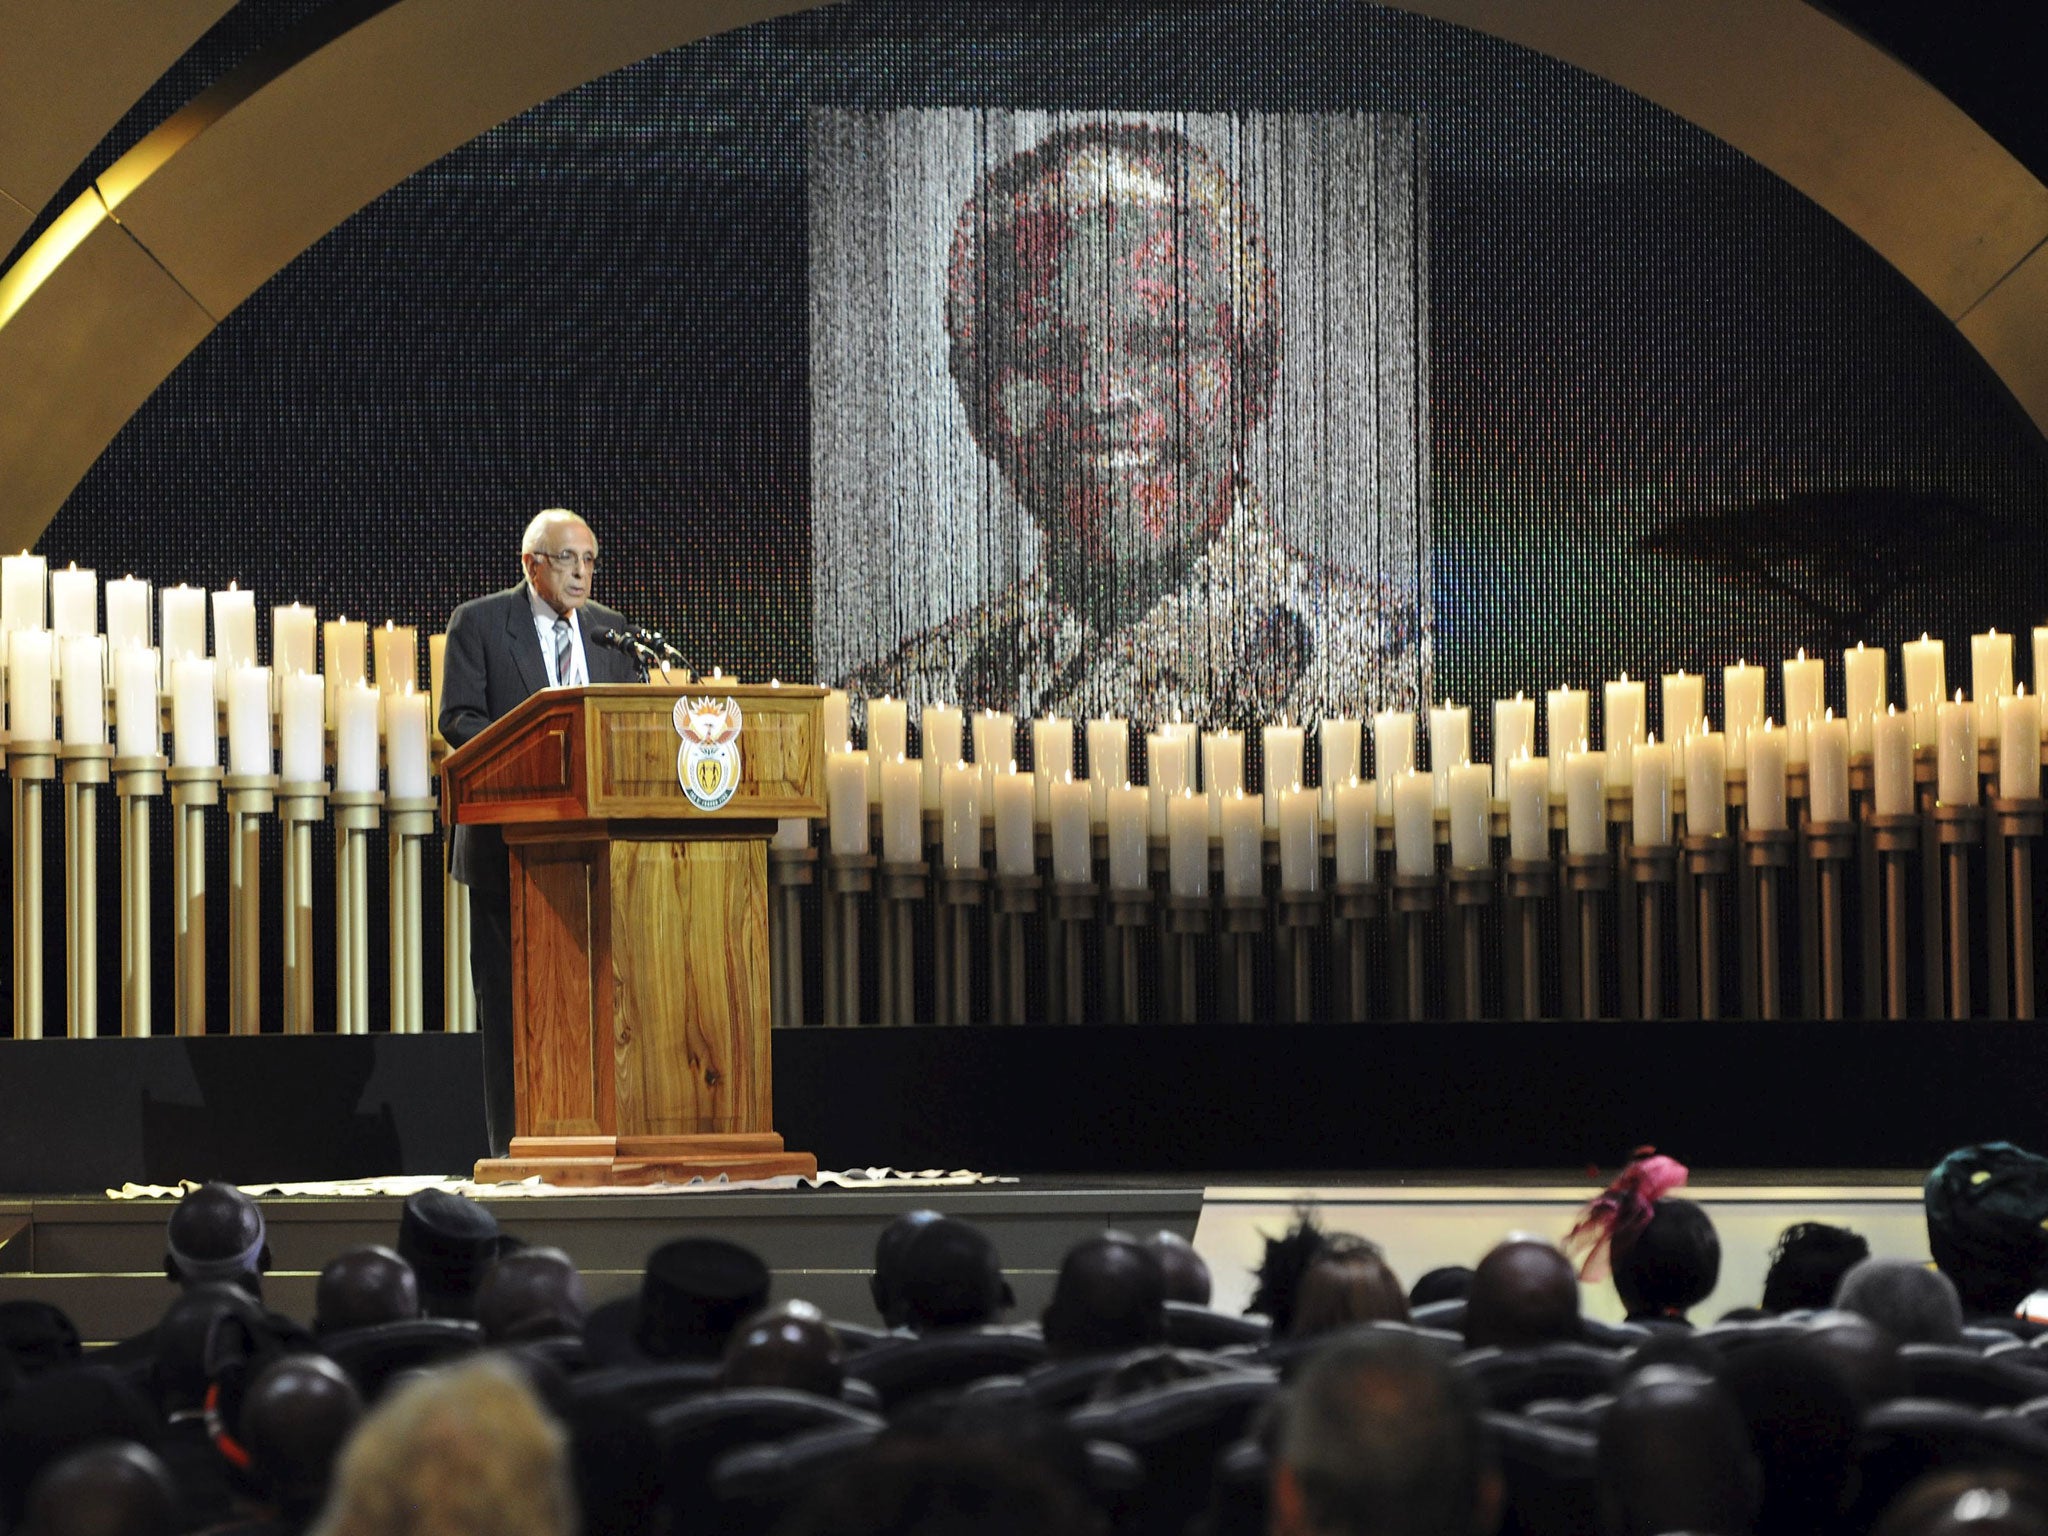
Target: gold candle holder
[[250, 797], [85, 770], [30, 765], [193, 790], [137, 781], [356, 814], [411, 824], [299, 807]]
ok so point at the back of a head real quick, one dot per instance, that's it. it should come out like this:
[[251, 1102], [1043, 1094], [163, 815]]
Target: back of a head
[[948, 1276], [216, 1233], [1802, 1418], [1986, 1208], [1972, 1502], [62, 1411], [1674, 1455], [466, 1451], [1912, 1303], [295, 1418], [695, 1294], [1187, 1274], [1447, 1282], [534, 1293], [790, 1346], [1523, 1293], [1863, 1355], [36, 1337], [115, 1488], [1670, 1264], [888, 1255], [1110, 1294], [1348, 1282], [1379, 1437], [182, 1369], [907, 1485], [362, 1287], [1808, 1263], [451, 1242]]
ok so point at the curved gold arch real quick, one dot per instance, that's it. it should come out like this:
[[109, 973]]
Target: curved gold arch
[[191, 222]]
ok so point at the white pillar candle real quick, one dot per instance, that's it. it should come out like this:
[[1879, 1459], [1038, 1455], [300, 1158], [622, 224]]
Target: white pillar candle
[[1356, 807], [1166, 775], [995, 743], [1337, 752], [344, 650], [1450, 743], [396, 650], [181, 625], [888, 729], [195, 725], [1393, 754], [835, 719], [127, 613], [302, 728], [902, 810], [234, 633], [1891, 762], [1742, 708], [1301, 841], [1242, 837], [1706, 784], [84, 691], [1528, 809], [249, 721], [355, 739], [406, 772], [1925, 667], [1585, 803], [1863, 689], [1956, 755], [2019, 745], [1623, 722], [1016, 821], [1073, 856], [1187, 846], [74, 603], [294, 638], [1566, 712], [1222, 771], [1280, 766], [791, 832], [1805, 688], [1766, 801], [1827, 756], [942, 743], [1651, 785], [31, 702], [1052, 760], [961, 842], [1990, 678], [1471, 802], [2040, 657], [1129, 850], [1109, 764], [24, 583], [1414, 825], [1514, 736], [138, 723], [1685, 712], [846, 800]]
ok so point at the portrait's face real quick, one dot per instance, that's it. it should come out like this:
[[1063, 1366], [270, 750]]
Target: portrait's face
[[1108, 339], [565, 567]]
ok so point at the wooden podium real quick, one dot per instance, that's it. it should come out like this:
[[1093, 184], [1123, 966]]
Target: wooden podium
[[639, 927]]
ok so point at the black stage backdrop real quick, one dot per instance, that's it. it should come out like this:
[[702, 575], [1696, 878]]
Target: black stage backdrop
[[1643, 354]]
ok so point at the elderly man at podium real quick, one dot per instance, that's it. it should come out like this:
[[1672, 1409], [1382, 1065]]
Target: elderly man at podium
[[502, 649]]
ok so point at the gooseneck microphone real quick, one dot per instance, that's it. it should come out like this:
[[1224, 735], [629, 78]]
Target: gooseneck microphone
[[659, 641], [626, 644]]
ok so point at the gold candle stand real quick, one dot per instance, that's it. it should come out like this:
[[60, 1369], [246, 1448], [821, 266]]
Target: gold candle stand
[[85, 770], [902, 887], [356, 814], [1012, 899], [1708, 857], [137, 781], [1186, 920], [1244, 919], [1467, 891], [1130, 912], [789, 871], [1957, 828], [1072, 908], [193, 790], [1529, 883], [1830, 845], [251, 797], [458, 991], [848, 877], [962, 893], [411, 824], [1895, 838], [1355, 903], [1299, 914], [30, 765], [299, 807], [1414, 897], [1652, 870], [2019, 822], [1766, 854], [1586, 875]]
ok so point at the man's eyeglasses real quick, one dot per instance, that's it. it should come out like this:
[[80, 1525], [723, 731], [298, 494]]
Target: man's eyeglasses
[[568, 559]]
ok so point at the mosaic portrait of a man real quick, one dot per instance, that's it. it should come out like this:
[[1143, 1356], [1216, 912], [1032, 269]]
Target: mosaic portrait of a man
[[1114, 333]]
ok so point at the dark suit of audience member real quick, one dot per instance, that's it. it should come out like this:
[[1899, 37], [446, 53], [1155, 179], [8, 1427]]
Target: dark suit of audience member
[[1110, 1296]]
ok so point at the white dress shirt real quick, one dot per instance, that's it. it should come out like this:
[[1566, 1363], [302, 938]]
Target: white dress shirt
[[544, 623]]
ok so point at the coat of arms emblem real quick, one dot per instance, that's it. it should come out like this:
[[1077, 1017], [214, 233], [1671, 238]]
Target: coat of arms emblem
[[708, 762]]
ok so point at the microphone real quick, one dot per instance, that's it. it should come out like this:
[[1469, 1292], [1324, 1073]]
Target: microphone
[[659, 641], [626, 645]]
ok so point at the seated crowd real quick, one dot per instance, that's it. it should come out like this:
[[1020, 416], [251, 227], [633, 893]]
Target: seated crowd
[[458, 1383]]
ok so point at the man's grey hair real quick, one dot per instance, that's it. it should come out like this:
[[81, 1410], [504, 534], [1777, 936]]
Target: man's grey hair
[[1384, 1439], [1912, 1303], [534, 540]]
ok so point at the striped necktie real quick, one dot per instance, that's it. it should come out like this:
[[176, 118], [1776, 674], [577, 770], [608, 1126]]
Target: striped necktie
[[563, 652]]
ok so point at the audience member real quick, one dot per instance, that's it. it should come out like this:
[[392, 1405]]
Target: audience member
[[362, 1287], [1912, 1303], [1447, 1282], [1662, 1252], [51, 1415], [190, 1340], [1110, 1295], [295, 1417], [888, 1251], [37, 1337], [1976, 1501], [1277, 1281], [1187, 1275], [694, 1293], [947, 1275], [1802, 1419], [1379, 1437], [217, 1233], [529, 1294], [1674, 1455], [115, 1488], [1808, 1263], [1523, 1293], [451, 1243], [1348, 1282], [1986, 1208], [917, 1486], [787, 1346], [1863, 1355], [466, 1451]]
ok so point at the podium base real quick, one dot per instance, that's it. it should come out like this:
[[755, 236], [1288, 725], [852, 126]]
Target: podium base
[[595, 1160]]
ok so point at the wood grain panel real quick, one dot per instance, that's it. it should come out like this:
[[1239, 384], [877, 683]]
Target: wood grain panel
[[690, 973], [636, 745], [564, 1042]]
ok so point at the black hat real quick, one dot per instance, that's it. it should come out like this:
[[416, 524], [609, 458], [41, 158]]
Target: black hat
[[37, 1337], [60, 1411], [948, 1276], [695, 1293], [450, 1242], [1985, 1211]]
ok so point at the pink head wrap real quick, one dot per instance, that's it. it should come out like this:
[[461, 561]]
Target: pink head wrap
[[1622, 1209]]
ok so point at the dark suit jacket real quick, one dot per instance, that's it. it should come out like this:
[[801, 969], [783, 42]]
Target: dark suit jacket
[[493, 662]]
